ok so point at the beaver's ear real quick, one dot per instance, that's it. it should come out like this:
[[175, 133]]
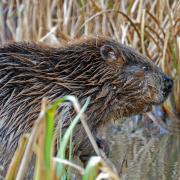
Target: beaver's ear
[[108, 52]]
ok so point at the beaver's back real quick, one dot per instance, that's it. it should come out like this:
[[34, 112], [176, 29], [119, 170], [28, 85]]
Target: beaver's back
[[29, 72]]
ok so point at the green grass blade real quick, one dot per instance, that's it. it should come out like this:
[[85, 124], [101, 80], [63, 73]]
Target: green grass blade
[[65, 139], [92, 168]]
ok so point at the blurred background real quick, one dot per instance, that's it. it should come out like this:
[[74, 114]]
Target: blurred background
[[145, 146]]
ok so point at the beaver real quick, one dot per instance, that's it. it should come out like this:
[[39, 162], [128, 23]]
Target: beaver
[[120, 82]]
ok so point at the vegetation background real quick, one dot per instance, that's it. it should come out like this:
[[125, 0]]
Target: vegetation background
[[146, 149]]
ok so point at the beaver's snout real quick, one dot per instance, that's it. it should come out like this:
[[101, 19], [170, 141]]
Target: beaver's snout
[[168, 84]]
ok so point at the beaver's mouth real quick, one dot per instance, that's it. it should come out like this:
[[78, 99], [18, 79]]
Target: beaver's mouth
[[160, 99]]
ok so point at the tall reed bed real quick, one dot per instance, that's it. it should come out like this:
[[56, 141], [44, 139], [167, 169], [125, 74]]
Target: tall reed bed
[[151, 26]]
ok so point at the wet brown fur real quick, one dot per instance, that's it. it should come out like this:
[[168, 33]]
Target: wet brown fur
[[114, 77]]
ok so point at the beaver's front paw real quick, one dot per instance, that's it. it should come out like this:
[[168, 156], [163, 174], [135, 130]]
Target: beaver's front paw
[[87, 152], [103, 145]]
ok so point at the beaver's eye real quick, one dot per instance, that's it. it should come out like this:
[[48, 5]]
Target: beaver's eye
[[146, 68], [108, 52]]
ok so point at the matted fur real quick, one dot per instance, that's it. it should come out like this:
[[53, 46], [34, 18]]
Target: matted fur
[[120, 82]]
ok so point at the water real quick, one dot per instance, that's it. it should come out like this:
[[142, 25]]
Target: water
[[148, 152]]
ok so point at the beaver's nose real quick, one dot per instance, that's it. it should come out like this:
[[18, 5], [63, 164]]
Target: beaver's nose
[[168, 84]]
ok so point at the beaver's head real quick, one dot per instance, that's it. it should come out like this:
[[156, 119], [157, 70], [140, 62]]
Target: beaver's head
[[137, 82], [124, 81]]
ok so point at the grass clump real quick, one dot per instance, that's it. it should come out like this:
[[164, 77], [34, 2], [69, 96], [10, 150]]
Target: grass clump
[[41, 143]]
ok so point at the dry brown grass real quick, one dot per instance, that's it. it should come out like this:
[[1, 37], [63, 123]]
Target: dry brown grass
[[151, 26]]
